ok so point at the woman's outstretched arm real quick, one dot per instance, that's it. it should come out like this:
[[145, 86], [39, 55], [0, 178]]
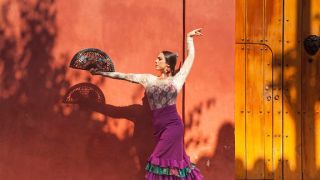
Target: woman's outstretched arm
[[134, 78], [180, 78]]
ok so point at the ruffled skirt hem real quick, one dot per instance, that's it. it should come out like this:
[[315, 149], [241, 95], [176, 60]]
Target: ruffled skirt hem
[[161, 169], [193, 175]]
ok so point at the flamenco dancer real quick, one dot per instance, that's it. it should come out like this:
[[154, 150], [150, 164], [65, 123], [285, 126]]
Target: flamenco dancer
[[168, 160]]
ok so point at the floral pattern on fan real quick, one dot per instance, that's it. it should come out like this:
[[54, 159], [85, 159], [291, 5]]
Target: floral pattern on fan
[[84, 93], [92, 58]]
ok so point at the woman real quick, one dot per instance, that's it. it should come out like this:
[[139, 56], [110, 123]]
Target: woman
[[168, 160]]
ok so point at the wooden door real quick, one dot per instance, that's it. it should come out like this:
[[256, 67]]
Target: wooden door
[[310, 93], [276, 105]]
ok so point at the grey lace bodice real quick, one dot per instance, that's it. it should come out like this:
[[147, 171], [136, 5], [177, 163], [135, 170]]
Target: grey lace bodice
[[161, 93]]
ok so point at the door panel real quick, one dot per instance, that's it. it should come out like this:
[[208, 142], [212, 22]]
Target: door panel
[[254, 21], [292, 91], [273, 39], [268, 109], [258, 104], [240, 118]]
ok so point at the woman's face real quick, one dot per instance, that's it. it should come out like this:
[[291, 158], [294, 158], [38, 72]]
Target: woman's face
[[161, 62]]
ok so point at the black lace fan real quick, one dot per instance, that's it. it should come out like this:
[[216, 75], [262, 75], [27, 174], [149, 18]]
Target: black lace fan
[[92, 58], [84, 93]]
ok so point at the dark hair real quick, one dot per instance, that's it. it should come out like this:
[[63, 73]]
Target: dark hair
[[171, 60]]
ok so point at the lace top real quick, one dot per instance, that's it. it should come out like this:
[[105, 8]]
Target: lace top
[[160, 92]]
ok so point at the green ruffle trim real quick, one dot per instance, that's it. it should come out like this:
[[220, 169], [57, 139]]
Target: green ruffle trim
[[170, 171]]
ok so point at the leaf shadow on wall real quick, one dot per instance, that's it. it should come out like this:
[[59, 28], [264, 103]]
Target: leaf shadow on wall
[[216, 161], [39, 137]]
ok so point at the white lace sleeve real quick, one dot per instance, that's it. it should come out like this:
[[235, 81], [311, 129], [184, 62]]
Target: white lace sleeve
[[142, 79], [181, 76]]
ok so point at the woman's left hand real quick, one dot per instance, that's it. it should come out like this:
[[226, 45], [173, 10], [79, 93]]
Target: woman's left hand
[[195, 32]]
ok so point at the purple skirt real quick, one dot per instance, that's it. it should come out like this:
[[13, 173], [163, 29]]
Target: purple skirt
[[169, 160]]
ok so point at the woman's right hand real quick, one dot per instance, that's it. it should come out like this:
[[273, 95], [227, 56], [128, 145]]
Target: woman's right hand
[[93, 71]]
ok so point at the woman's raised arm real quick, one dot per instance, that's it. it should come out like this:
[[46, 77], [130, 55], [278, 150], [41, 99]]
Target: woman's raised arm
[[181, 76]]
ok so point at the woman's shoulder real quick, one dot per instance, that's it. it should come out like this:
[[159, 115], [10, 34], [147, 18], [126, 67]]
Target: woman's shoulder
[[150, 77]]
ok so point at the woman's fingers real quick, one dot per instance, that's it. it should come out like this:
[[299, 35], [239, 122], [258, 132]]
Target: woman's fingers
[[93, 70], [196, 32]]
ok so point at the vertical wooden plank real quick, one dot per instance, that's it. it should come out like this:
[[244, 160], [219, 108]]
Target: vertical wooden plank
[[254, 115], [240, 138], [315, 29], [292, 91], [311, 118], [240, 21], [273, 31], [310, 98], [268, 119], [308, 149], [254, 21]]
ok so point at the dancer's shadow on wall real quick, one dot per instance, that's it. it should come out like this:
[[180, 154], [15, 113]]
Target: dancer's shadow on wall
[[100, 149], [221, 164]]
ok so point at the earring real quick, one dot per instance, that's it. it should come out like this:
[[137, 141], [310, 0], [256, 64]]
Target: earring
[[167, 70]]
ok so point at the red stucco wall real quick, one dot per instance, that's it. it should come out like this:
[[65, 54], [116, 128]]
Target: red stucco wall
[[42, 138], [210, 89]]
